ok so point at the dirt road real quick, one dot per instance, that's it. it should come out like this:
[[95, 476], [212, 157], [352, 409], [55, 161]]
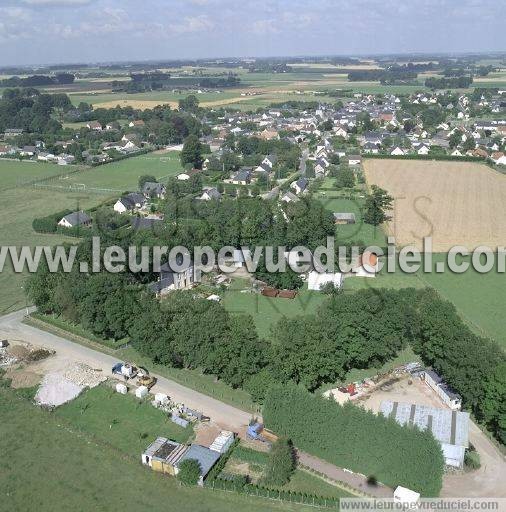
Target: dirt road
[[228, 417]]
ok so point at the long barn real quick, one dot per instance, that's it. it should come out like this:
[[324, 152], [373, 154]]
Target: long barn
[[450, 428]]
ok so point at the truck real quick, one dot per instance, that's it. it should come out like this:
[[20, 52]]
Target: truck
[[146, 380]]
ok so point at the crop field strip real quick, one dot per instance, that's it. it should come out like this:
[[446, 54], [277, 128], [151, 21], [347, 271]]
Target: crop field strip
[[457, 203]]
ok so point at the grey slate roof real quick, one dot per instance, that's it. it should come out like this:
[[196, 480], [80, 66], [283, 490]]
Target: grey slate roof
[[204, 456], [344, 216], [77, 218]]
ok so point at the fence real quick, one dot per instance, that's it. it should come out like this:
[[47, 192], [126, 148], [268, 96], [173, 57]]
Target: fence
[[273, 494]]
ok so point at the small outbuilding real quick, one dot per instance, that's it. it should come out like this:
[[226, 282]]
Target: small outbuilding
[[344, 218], [406, 496], [204, 456]]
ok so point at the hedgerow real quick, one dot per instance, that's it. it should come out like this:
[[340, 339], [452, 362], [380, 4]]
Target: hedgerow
[[353, 438]]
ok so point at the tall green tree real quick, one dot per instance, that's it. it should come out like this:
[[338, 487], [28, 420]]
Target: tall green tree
[[377, 204], [192, 152]]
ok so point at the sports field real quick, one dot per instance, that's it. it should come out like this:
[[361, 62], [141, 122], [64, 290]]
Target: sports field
[[457, 203], [122, 175]]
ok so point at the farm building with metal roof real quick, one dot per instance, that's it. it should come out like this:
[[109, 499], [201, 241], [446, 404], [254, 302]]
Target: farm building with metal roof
[[450, 428]]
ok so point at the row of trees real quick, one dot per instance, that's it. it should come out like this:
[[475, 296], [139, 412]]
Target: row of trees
[[354, 438], [357, 330]]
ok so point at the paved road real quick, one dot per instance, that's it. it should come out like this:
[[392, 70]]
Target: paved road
[[228, 417]]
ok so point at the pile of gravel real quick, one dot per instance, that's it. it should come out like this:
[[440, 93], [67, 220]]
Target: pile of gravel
[[56, 390], [83, 375]]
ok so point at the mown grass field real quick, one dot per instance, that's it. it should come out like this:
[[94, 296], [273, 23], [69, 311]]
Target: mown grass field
[[360, 231], [479, 298], [48, 465], [18, 207]]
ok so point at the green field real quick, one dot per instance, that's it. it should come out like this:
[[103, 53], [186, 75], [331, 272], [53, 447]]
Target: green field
[[18, 207], [124, 422], [46, 461], [480, 298], [360, 231]]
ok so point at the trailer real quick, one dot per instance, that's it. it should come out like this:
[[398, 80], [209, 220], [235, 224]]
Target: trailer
[[257, 432]]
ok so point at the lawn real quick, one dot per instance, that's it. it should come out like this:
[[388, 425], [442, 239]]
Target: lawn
[[266, 311], [47, 466], [122, 421]]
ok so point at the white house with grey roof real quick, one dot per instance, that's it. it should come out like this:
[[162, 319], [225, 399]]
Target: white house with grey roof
[[75, 219]]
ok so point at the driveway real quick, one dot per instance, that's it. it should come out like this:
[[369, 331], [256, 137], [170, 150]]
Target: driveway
[[226, 416]]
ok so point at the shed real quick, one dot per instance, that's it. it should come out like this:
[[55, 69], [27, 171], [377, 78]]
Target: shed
[[121, 388], [344, 218], [405, 495], [223, 442], [162, 455], [450, 428]]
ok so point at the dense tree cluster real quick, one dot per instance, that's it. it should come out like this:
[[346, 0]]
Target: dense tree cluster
[[352, 437], [38, 80], [454, 82], [31, 111]]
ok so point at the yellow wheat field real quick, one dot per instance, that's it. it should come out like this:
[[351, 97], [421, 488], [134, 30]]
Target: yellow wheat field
[[457, 203]]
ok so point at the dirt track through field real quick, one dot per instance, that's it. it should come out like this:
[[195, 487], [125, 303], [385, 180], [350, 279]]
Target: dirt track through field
[[457, 203]]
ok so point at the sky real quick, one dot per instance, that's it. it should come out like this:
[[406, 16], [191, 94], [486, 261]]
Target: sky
[[71, 31]]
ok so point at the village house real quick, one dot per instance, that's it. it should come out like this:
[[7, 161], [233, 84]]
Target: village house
[[75, 219], [130, 202], [171, 280], [300, 186], [270, 160], [289, 197], [94, 125], [152, 189], [210, 194], [242, 176]]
